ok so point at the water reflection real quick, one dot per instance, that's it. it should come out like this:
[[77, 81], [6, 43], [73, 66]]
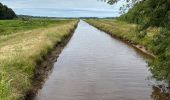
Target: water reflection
[[94, 66]]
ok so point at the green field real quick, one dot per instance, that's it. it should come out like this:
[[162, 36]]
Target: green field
[[13, 26], [22, 45]]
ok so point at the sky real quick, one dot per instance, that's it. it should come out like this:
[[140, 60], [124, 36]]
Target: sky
[[63, 8]]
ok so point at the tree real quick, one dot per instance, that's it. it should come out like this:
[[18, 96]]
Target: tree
[[153, 13], [146, 12], [6, 13]]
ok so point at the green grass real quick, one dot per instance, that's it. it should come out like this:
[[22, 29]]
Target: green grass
[[12, 26], [124, 31], [20, 51]]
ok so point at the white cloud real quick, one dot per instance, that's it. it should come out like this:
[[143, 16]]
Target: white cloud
[[83, 6], [55, 3]]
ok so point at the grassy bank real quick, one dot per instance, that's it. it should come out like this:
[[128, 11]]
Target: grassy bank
[[22, 48], [154, 40], [125, 31]]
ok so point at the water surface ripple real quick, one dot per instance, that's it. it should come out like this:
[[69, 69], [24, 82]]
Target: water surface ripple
[[94, 66]]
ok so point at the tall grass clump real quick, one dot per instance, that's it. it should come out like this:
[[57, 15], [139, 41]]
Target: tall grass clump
[[20, 52]]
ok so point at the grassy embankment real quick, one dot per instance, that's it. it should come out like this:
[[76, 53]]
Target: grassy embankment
[[126, 32], [22, 45]]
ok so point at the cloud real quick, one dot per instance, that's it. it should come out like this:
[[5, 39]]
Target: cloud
[[63, 7], [55, 3]]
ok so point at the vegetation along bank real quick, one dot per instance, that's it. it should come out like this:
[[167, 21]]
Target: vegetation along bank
[[146, 24], [23, 45], [155, 42]]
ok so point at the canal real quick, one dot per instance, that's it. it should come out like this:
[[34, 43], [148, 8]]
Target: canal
[[95, 66]]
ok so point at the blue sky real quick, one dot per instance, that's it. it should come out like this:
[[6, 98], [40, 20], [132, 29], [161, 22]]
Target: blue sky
[[63, 8]]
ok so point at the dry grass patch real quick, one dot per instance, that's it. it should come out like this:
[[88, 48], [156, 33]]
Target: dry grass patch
[[19, 54]]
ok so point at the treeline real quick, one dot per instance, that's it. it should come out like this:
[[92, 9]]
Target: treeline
[[154, 13], [6, 13], [149, 13]]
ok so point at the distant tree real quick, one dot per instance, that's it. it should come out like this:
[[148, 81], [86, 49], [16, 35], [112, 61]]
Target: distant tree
[[6, 13]]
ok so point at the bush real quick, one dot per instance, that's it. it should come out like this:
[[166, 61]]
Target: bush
[[161, 47]]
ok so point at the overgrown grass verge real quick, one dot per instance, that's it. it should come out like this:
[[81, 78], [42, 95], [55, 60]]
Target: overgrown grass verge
[[127, 32], [20, 52]]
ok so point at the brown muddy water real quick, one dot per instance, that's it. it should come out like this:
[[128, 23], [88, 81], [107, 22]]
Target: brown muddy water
[[95, 66]]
